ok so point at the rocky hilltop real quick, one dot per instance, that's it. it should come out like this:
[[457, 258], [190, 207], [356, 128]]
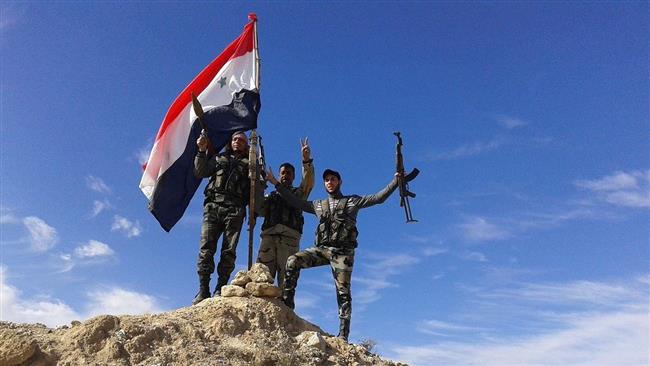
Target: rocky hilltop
[[245, 330]]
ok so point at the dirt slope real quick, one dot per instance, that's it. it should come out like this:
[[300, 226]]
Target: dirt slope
[[218, 331]]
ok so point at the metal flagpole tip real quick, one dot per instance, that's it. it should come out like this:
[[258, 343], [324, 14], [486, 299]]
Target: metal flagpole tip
[[252, 17]]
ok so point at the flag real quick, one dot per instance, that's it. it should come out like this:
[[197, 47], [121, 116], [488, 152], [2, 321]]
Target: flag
[[228, 90]]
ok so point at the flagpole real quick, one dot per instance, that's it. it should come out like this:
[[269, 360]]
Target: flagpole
[[253, 17], [252, 154]]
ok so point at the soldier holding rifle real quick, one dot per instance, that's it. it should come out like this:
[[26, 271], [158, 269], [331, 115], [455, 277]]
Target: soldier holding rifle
[[226, 197], [336, 238]]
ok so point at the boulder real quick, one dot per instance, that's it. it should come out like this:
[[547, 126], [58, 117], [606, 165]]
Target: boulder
[[234, 291], [263, 289], [260, 273], [241, 279], [312, 339]]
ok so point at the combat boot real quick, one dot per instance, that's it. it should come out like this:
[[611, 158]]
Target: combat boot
[[289, 291], [221, 282], [287, 298], [204, 289], [344, 329]]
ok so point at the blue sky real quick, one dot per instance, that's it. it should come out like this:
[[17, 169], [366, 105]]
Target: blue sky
[[529, 122]]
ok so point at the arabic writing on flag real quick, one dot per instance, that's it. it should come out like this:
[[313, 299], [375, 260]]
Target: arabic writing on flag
[[228, 90]]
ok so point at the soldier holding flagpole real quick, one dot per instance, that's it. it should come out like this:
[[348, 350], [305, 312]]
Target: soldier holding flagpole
[[215, 109]]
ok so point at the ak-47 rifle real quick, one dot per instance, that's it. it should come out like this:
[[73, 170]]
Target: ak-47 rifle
[[402, 181]]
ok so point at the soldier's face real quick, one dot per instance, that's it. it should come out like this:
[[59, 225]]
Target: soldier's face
[[238, 143], [286, 175], [331, 183]]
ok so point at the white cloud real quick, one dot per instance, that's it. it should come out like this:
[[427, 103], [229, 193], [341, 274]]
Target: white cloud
[[7, 217], [306, 300], [510, 122], [506, 275], [373, 283], [603, 339], [475, 256], [375, 277], [629, 199], [550, 219], [478, 229], [41, 235], [142, 155], [97, 184], [118, 301], [591, 323], [434, 244], [628, 189], [468, 150], [67, 263], [14, 307], [324, 283], [100, 206], [46, 311], [93, 252], [572, 293], [482, 229], [128, 228], [616, 181], [368, 289], [394, 263], [94, 248], [440, 328]]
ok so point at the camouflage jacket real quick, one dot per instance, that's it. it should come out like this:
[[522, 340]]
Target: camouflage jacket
[[277, 211], [337, 214], [229, 183]]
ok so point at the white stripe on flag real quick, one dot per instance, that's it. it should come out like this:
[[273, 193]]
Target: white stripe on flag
[[239, 73]]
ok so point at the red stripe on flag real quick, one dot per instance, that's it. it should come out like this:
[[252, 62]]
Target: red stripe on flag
[[241, 45]]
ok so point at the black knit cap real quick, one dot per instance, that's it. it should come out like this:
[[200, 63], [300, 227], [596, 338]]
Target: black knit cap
[[239, 133], [331, 172]]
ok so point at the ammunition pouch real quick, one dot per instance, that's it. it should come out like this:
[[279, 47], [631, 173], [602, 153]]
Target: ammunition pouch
[[337, 229], [230, 182], [279, 212]]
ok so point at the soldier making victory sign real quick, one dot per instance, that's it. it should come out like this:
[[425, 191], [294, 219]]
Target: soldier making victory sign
[[282, 227], [336, 238], [226, 197]]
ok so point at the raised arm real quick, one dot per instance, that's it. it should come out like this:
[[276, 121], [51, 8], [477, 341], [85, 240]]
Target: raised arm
[[379, 197], [203, 167], [307, 176], [291, 199]]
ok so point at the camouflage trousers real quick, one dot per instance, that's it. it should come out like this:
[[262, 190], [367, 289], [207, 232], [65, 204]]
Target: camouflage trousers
[[274, 251], [340, 261], [219, 219]]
